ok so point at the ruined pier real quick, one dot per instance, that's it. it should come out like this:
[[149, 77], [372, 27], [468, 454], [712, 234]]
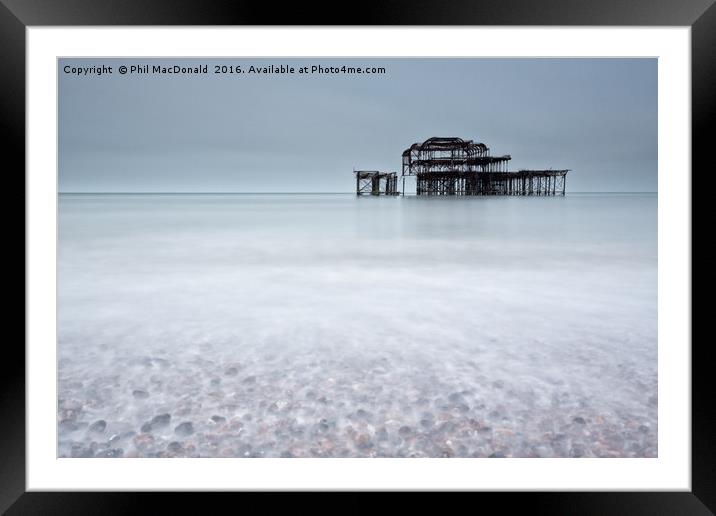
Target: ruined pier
[[453, 166]]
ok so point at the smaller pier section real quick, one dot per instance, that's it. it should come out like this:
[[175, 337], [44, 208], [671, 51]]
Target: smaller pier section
[[373, 182]]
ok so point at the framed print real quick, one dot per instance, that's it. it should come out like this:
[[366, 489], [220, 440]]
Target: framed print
[[386, 257]]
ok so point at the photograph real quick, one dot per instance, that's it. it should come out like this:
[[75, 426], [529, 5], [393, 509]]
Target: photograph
[[359, 257]]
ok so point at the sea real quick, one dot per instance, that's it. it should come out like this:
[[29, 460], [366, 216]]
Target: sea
[[330, 325]]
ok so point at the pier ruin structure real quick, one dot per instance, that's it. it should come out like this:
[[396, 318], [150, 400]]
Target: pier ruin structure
[[453, 166], [373, 182]]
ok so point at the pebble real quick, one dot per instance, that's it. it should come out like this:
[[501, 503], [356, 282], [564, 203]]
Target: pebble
[[447, 452], [323, 425], [364, 415], [140, 395], [69, 414], [175, 447], [161, 420], [112, 453], [143, 441], [579, 421], [98, 426], [426, 423], [405, 431], [363, 442], [218, 419], [186, 428]]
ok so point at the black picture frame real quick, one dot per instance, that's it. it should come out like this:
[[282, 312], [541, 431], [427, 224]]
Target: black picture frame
[[16, 15]]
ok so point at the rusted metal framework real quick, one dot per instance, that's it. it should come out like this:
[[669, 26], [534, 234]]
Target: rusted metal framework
[[524, 182], [453, 166], [373, 182]]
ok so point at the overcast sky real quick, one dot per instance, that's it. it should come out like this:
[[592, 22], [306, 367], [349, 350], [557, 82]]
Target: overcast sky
[[305, 133]]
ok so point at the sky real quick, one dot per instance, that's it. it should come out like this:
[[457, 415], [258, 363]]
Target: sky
[[307, 132]]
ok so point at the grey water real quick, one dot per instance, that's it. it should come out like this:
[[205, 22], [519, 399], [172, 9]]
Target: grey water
[[337, 326]]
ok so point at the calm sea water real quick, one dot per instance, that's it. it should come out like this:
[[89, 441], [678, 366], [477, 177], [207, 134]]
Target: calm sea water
[[330, 325]]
